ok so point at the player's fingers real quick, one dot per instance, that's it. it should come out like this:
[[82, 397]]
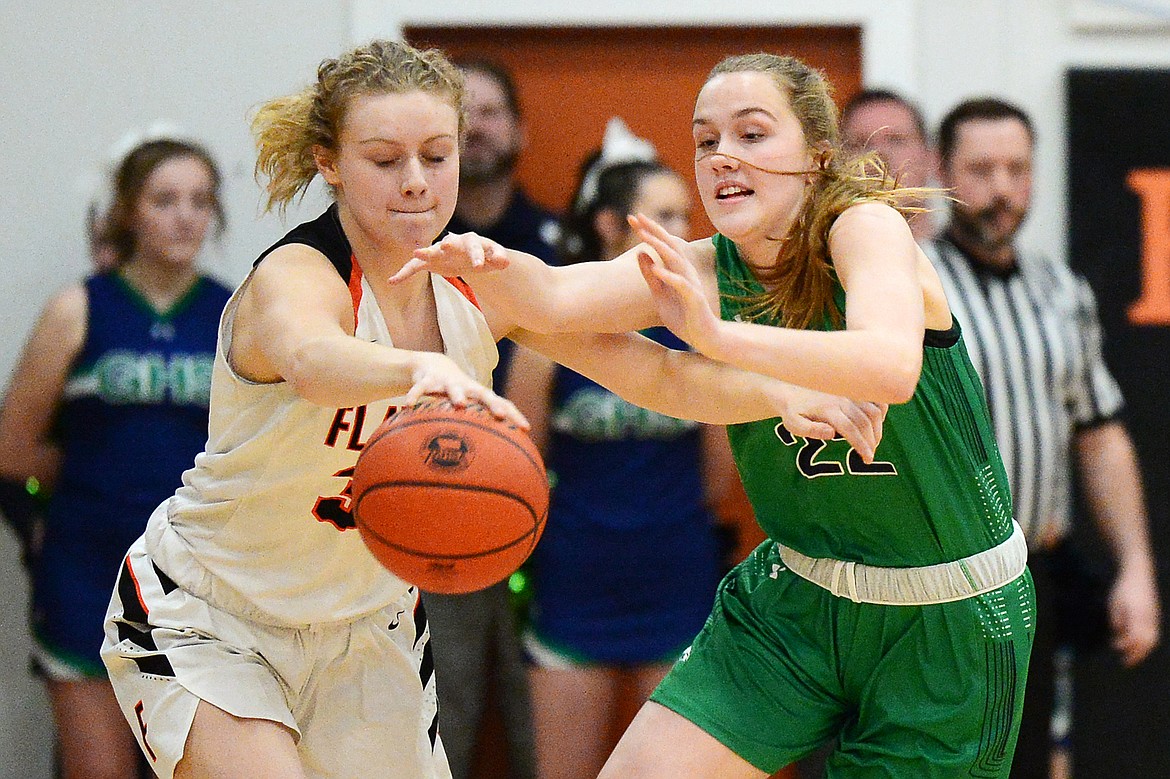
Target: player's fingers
[[469, 244], [650, 228], [647, 265], [856, 430], [666, 243], [675, 282], [666, 252], [867, 435], [422, 389], [809, 428], [877, 418], [504, 409], [457, 394], [496, 256], [413, 265]]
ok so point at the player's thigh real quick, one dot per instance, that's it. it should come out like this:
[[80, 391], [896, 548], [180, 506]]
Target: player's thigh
[[573, 708], [224, 746], [661, 744], [763, 675], [945, 697], [167, 651], [645, 678], [369, 706], [92, 736]]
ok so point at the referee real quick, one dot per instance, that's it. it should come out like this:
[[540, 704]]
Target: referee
[[1032, 331]]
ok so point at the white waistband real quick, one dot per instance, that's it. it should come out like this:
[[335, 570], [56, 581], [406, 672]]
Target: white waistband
[[922, 586]]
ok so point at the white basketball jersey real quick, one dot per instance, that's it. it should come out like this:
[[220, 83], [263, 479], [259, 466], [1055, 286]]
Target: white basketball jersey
[[261, 526]]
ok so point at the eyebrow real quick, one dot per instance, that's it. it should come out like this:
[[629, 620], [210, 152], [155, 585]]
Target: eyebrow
[[738, 115], [395, 142]]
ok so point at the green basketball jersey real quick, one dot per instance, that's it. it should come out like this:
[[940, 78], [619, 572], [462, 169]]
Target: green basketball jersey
[[936, 491]]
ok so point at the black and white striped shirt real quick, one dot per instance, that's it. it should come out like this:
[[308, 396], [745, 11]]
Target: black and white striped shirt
[[1035, 339]]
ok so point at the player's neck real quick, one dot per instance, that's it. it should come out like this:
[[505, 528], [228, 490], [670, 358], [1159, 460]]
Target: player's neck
[[160, 285]]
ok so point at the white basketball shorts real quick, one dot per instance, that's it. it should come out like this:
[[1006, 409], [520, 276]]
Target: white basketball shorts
[[359, 696]]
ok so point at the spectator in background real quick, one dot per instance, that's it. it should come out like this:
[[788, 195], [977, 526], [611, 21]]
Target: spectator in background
[[106, 408], [1032, 329], [491, 201], [883, 121], [633, 489], [477, 648]]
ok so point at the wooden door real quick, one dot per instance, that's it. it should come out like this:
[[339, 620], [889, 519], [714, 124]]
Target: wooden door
[[572, 80]]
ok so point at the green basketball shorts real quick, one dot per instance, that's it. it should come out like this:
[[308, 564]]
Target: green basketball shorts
[[782, 665]]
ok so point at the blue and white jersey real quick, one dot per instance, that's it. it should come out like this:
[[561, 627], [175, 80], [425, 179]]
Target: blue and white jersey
[[133, 417]]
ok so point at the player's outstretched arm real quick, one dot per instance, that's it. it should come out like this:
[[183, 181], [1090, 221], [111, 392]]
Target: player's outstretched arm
[[295, 324], [878, 356], [687, 385], [601, 297]]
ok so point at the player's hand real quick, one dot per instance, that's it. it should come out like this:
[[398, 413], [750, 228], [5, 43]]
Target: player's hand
[[437, 374], [1134, 613], [811, 414], [458, 254], [675, 285]]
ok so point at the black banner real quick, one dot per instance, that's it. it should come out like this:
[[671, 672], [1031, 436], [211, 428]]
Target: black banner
[[1119, 212]]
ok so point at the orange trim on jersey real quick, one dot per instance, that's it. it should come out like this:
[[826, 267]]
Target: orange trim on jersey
[[355, 287], [465, 288], [137, 587]]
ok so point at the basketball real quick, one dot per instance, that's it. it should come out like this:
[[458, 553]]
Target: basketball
[[449, 499]]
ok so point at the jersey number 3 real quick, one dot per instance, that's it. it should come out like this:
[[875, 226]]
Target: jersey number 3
[[337, 510]]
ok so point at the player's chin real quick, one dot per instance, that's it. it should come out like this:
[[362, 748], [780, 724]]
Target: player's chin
[[417, 230], [736, 223]]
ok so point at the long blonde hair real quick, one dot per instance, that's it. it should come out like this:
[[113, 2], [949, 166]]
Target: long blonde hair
[[801, 282], [287, 128]]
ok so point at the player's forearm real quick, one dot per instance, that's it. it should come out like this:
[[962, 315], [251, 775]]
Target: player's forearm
[[690, 386], [685, 385], [39, 460], [588, 297], [343, 371], [857, 364], [26, 447]]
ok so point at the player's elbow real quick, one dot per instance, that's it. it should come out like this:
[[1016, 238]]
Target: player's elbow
[[308, 389], [304, 378], [898, 378]]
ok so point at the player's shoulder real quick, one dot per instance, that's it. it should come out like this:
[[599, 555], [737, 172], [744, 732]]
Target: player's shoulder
[[68, 303], [63, 319], [868, 215], [702, 252], [320, 237]]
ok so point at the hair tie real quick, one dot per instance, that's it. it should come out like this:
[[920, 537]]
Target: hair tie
[[618, 146]]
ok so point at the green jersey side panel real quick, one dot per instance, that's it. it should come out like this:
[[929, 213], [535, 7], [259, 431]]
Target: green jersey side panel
[[936, 492]]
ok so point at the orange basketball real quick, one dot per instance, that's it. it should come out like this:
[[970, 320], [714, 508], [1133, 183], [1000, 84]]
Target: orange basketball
[[449, 499]]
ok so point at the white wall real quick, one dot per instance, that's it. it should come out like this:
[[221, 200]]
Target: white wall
[[75, 79], [72, 86], [1021, 50]]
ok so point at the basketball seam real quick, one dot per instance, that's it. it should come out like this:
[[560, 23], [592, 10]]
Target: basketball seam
[[537, 526], [399, 425]]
